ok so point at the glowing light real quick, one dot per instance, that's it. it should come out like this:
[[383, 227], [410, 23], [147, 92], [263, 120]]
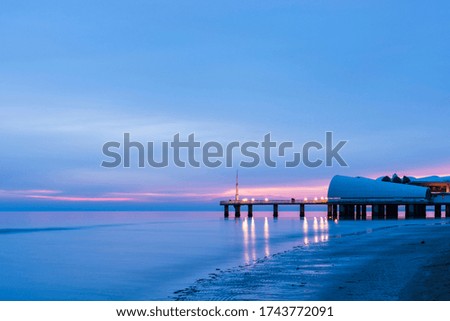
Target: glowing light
[[245, 200], [305, 199], [253, 199], [305, 225], [266, 199], [253, 238], [322, 223], [322, 198], [315, 224], [266, 237], [316, 199], [246, 241]]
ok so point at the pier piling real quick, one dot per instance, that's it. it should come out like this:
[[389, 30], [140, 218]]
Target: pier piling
[[226, 211], [237, 210], [378, 212], [364, 212], [302, 210], [409, 211], [420, 211], [275, 210], [437, 211], [392, 212], [358, 212], [330, 211], [335, 212]]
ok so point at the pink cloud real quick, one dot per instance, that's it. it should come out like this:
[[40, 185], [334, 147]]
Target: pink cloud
[[310, 189], [315, 189]]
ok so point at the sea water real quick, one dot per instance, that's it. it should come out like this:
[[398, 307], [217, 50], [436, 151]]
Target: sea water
[[142, 255]]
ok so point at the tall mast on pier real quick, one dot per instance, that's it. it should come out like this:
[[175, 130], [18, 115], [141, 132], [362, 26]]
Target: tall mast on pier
[[236, 197]]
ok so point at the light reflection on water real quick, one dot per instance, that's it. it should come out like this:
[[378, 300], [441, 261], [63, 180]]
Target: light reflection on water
[[319, 231], [249, 238], [266, 237], [252, 237]]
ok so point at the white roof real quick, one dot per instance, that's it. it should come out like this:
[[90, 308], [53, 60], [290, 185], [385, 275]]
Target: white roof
[[344, 187], [431, 179]]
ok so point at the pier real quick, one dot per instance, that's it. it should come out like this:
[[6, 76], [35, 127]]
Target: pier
[[351, 198], [342, 210]]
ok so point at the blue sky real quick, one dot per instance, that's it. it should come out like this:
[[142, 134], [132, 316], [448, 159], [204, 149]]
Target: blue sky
[[74, 76]]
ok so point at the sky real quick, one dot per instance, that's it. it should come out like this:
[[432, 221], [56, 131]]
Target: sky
[[74, 76]]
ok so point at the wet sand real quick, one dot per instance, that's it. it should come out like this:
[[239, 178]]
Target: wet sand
[[399, 262]]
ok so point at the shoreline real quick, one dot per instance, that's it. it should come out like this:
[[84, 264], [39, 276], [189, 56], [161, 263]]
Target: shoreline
[[403, 262]]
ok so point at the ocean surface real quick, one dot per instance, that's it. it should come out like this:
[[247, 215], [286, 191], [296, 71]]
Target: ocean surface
[[143, 255]]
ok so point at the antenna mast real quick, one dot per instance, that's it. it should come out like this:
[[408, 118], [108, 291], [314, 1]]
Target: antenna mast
[[236, 197]]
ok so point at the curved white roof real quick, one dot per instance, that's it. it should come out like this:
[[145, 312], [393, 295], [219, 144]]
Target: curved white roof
[[344, 187], [431, 179]]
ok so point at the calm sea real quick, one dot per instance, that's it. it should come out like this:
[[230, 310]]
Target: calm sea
[[140, 255]]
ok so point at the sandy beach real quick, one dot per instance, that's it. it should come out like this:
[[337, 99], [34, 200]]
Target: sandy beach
[[405, 261]]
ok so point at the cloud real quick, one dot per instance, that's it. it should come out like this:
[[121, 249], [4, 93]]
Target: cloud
[[23, 193], [316, 189], [96, 123], [81, 199]]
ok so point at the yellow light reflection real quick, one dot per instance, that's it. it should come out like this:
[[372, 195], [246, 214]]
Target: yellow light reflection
[[266, 237], [315, 225], [320, 230], [253, 238], [245, 234], [323, 224]]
